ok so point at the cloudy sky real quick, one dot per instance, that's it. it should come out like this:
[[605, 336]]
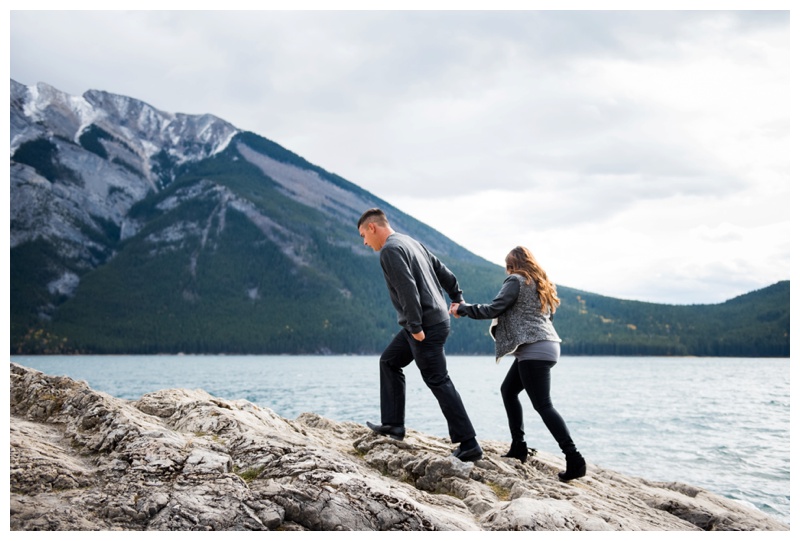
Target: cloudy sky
[[639, 154]]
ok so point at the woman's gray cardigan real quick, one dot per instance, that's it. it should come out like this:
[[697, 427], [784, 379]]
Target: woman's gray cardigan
[[518, 316]]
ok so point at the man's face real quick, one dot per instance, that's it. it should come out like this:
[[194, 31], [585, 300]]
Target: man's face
[[369, 233]]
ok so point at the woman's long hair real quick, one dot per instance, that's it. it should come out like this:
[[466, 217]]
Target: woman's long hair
[[520, 260]]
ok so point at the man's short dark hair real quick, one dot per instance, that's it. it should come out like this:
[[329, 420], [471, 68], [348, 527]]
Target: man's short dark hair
[[373, 216]]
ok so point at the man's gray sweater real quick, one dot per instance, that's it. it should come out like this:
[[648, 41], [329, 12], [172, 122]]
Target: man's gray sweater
[[415, 278]]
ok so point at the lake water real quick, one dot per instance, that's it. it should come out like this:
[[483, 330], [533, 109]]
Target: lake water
[[717, 423]]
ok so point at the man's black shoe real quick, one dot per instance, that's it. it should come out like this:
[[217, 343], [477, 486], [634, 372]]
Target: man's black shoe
[[394, 432], [468, 455]]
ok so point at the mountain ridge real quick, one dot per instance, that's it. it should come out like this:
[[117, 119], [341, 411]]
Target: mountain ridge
[[134, 230]]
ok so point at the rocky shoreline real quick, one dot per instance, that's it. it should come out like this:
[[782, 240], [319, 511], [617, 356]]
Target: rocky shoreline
[[182, 459]]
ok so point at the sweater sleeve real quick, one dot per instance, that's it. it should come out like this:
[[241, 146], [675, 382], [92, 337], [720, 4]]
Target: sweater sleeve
[[504, 300], [446, 278]]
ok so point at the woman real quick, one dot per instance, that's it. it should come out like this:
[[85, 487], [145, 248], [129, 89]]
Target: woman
[[523, 312]]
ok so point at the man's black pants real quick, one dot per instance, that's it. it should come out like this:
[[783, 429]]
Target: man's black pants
[[432, 364]]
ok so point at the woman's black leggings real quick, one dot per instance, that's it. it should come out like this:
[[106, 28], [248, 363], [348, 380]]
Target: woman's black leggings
[[534, 377]]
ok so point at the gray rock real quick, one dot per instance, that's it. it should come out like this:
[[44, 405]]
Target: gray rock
[[185, 460]]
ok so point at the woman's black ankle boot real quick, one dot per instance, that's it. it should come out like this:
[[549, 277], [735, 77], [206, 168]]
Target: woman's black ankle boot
[[576, 467], [519, 450]]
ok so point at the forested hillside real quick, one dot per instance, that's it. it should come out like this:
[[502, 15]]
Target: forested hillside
[[751, 325]]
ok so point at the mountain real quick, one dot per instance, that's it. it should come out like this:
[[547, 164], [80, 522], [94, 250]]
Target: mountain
[[134, 230]]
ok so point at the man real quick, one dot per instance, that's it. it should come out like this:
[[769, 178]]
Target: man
[[415, 279]]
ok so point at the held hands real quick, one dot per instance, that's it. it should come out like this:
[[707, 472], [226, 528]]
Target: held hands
[[420, 336]]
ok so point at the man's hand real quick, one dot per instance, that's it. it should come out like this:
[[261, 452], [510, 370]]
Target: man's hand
[[419, 336], [454, 308]]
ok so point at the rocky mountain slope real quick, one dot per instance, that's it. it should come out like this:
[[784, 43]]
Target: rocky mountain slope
[[80, 163], [115, 203], [185, 460]]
